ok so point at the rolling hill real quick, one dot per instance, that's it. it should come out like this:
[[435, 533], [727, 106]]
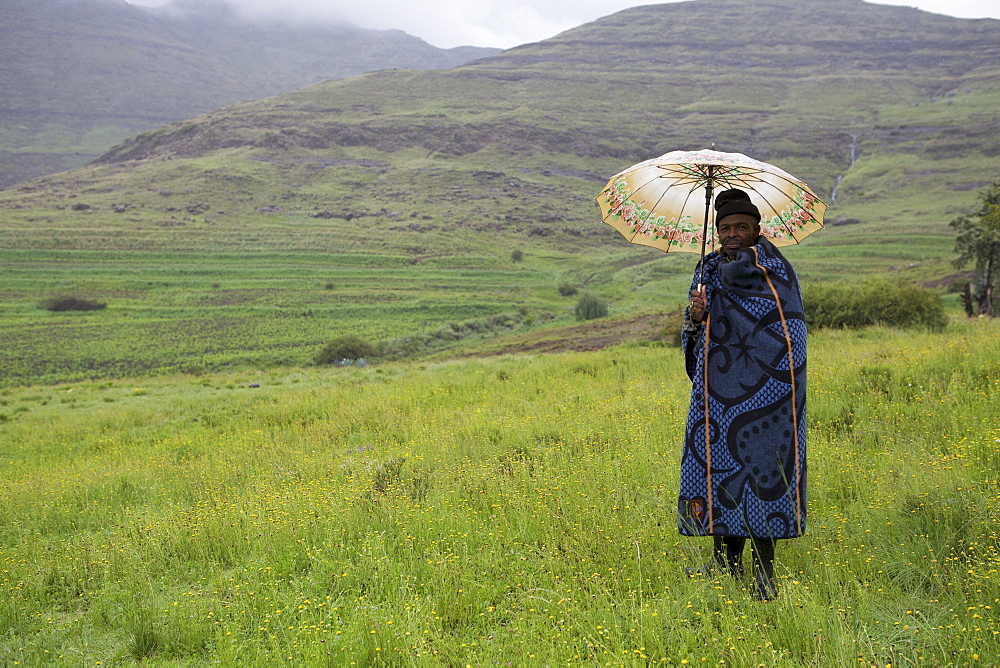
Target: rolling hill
[[390, 204], [889, 112], [81, 75]]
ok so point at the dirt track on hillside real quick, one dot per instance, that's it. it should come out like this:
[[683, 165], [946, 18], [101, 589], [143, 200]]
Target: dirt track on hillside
[[589, 335]]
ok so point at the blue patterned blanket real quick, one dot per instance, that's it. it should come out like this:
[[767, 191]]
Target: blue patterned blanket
[[743, 467]]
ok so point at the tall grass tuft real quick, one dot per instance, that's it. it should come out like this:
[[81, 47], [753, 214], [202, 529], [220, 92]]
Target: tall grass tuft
[[590, 307]]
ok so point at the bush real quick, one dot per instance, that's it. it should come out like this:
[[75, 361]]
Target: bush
[[349, 347], [590, 307], [416, 344], [874, 302], [567, 290], [516, 256], [673, 324], [57, 304]]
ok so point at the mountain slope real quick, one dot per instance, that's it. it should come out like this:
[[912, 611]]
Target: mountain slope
[[393, 204], [870, 87], [80, 75], [658, 77], [895, 91]]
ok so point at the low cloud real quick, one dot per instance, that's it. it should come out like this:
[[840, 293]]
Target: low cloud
[[443, 23], [496, 23]]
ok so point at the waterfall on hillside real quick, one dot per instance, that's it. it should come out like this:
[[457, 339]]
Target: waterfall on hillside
[[836, 184], [853, 146]]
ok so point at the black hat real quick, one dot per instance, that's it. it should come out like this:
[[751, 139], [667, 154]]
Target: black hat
[[733, 201]]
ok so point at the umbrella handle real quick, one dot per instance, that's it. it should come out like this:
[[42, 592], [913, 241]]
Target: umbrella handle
[[704, 230]]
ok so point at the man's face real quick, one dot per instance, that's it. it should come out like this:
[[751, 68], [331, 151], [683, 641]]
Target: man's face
[[736, 232]]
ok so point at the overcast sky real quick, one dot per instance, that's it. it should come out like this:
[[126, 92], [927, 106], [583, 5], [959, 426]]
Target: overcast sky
[[502, 23]]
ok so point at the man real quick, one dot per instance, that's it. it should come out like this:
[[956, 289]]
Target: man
[[743, 468]]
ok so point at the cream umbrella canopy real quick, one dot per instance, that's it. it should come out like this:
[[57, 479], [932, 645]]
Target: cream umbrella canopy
[[666, 202]]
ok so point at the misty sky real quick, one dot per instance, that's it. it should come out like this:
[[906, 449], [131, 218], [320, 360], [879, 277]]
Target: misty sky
[[501, 23]]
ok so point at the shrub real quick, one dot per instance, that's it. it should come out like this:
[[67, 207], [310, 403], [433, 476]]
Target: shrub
[[71, 304], [348, 347], [590, 307], [567, 290], [670, 333], [874, 302], [416, 344], [516, 256]]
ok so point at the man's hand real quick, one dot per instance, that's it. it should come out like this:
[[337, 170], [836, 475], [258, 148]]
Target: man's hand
[[698, 303]]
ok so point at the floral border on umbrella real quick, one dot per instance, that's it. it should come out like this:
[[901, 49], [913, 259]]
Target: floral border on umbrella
[[800, 211], [638, 221]]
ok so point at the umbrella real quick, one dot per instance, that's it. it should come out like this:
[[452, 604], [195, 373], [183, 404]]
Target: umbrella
[[658, 202]]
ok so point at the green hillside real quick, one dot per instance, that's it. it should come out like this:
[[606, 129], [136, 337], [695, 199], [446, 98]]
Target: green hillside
[[80, 76], [390, 204]]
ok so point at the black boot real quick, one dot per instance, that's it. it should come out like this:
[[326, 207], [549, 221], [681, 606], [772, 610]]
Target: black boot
[[729, 553], [763, 568], [708, 569]]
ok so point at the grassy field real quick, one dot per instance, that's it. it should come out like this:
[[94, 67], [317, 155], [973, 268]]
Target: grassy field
[[183, 486], [517, 510], [391, 205], [207, 272], [256, 254], [227, 288], [184, 310]]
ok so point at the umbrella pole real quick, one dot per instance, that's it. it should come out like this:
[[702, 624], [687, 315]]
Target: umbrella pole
[[704, 231]]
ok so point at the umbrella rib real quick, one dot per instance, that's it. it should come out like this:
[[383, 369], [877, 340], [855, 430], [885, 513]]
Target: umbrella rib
[[634, 191], [747, 184], [687, 197], [650, 180], [670, 242]]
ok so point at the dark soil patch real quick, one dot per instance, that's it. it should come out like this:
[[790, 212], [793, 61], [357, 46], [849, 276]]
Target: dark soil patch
[[945, 281], [584, 336]]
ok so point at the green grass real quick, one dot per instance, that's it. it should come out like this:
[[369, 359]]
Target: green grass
[[182, 486], [206, 281], [186, 310], [390, 205], [192, 284], [512, 510]]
